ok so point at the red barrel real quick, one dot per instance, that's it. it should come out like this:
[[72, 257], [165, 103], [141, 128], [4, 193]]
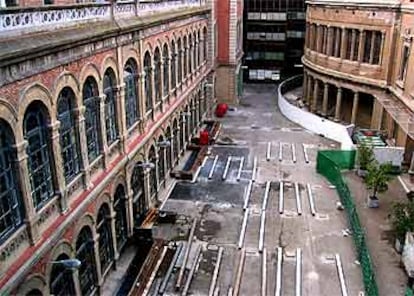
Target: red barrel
[[203, 137], [221, 110]]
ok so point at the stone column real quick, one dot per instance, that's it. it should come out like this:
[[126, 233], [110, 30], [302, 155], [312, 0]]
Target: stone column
[[355, 107], [59, 169], [353, 45], [157, 174], [129, 202], [121, 116], [162, 84], [309, 90], [338, 105], [183, 132], [177, 132], [83, 147], [305, 85], [325, 99], [142, 101], [337, 46], [330, 41], [344, 42], [99, 278], [154, 95], [26, 191], [319, 38], [315, 96], [361, 46], [112, 220], [147, 189], [382, 46], [103, 129], [371, 52]]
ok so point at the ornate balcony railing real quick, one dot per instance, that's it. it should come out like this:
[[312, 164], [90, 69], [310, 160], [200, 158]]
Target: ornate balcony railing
[[39, 18]]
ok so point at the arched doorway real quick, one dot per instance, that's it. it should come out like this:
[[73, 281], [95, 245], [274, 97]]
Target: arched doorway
[[85, 253], [105, 243], [121, 226], [139, 203], [61, 278]]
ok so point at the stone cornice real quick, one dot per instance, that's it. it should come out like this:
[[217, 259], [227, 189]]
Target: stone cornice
[[385, 4]]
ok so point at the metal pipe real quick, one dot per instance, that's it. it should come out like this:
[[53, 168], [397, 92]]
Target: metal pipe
[[280, 151], [243, 229], [298, 272], [226, 169], [266, 195], [305, 153], [264, 273], [254, 169], [281, 197], [298, 200], [269, 147], [240, 169], [239, 273], [170, 268], [155, 271], [210, 175], [262, 230], [278, 290], [248, 193], [311, 202], [212, 290], [191, 273], [293, 152], [187, 252], [341, 275]]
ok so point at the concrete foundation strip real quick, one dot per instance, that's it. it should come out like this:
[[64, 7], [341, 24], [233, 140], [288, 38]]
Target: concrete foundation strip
[[281, 197], [311, 201], [226, 169], [192, 270], [254, 169], [187, 252], [210, 174], [305, 153], [243, 229], [155, 271], [268, 151], [293, 152], [262, 230], [266, 196], [239, 274], [213, 288], [264, 272], [278, 290], [298, 199], [170, 269], [298, 279], [240, 169], [248, 193], [280, 151], [341, 275]]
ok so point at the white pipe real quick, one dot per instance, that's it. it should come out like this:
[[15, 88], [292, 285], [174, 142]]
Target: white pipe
[[293, 152], [311, 202], [226, 169], [192, 270], [269, 147], [248, 193], [196, 174], [254, 169], [298, 200], [186, 254], [305, 153], [243, 229], [210, 175], [341, 275], [204, 161], [281, 197], [266, 195], [280, 151], [262, 230], [403, 185], [240, 169], [298, 272], [264, 273], [278, 290], [239, 273], [213, 283], [154, 271]]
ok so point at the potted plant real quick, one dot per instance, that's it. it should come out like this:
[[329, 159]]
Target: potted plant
[[365, 155], [402, 221], [376, 180]]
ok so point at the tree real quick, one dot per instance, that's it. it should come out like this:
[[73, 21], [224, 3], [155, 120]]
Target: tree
[[377, 178], [402, 219], [365, 156]]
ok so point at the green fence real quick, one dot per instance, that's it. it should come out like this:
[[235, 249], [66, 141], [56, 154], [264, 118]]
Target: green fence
[[409, 292], [329, 164]]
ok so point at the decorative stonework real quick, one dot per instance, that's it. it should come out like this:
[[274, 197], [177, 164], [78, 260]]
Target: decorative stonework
[[13, 245]]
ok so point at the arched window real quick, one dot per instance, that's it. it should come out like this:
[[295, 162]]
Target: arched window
[[190, 54], [103, 228], [185, 60], [166, 67], [176, 140], [137, 183], [153, 172], [157, 75], [69, 141], [161, 161], [198, 49], [121, 217], [39, 154], [180, 61], [61, 279], [173, 62], [92, 119], [110, 106], [131, 93], [148, 82], [205, 44], [85, 254], [169, 150], [11, 209]]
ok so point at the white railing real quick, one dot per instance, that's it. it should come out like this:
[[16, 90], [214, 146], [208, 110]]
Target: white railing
[[125, 9]]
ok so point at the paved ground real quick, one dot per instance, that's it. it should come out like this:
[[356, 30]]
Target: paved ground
[[218, 206]]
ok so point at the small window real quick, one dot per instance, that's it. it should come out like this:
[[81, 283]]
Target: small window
[[48, 2]]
